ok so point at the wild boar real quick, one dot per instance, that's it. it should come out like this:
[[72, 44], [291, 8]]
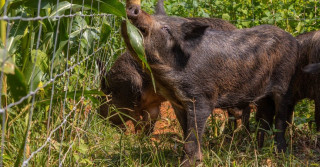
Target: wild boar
[[131, 88], [303, 85], [198, 68], [310, 53]]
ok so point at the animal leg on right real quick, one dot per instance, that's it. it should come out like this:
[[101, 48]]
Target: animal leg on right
[[264, 116]]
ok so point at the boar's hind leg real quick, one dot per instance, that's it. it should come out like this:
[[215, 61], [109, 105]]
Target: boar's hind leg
[[283, 115], [197, 115], [245, 117], [317, 118], [264, 115], [317, 113]]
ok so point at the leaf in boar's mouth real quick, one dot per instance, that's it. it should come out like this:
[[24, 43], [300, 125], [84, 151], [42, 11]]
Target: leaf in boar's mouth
[[136, 42]]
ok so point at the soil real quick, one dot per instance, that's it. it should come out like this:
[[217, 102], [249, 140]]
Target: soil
[[168, 124]]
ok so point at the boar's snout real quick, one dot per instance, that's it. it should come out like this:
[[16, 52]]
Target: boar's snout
[[133, 11]]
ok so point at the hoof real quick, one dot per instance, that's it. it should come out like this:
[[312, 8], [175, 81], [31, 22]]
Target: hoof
[[191, 162], [281, 148]]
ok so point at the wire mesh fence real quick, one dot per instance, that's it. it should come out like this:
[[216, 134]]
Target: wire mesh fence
[[49, 77]]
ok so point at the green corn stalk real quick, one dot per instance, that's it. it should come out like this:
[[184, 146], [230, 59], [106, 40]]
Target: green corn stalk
[[3, 35], [3, 25]]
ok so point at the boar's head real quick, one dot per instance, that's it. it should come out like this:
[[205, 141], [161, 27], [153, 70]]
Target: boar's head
[[163, 35], [123, 82]]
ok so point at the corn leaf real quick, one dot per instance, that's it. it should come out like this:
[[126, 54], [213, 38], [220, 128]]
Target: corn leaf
[[136, 41]]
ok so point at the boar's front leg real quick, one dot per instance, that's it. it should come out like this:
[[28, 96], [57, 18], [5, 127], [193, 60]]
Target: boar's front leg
[[182, 118], [197, 112]]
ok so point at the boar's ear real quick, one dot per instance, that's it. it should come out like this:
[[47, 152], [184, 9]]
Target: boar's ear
[[312, 68], [160, 8], [193, 30], [192, 33]]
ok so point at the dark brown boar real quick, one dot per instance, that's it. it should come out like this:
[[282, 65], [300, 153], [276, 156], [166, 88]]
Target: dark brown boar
[[198, 68], [303, 85], [307, 85], [131, 88]]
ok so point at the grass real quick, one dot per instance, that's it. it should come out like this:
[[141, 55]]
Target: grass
[[109, 146]]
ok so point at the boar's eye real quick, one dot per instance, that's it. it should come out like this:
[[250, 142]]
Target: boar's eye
[[166, 29], [143, 30]]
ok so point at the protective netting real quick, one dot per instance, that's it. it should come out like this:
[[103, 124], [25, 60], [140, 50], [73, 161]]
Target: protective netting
[[49, 76]]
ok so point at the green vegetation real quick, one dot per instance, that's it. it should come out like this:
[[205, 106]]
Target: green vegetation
[[294, 16], [38, 49]]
